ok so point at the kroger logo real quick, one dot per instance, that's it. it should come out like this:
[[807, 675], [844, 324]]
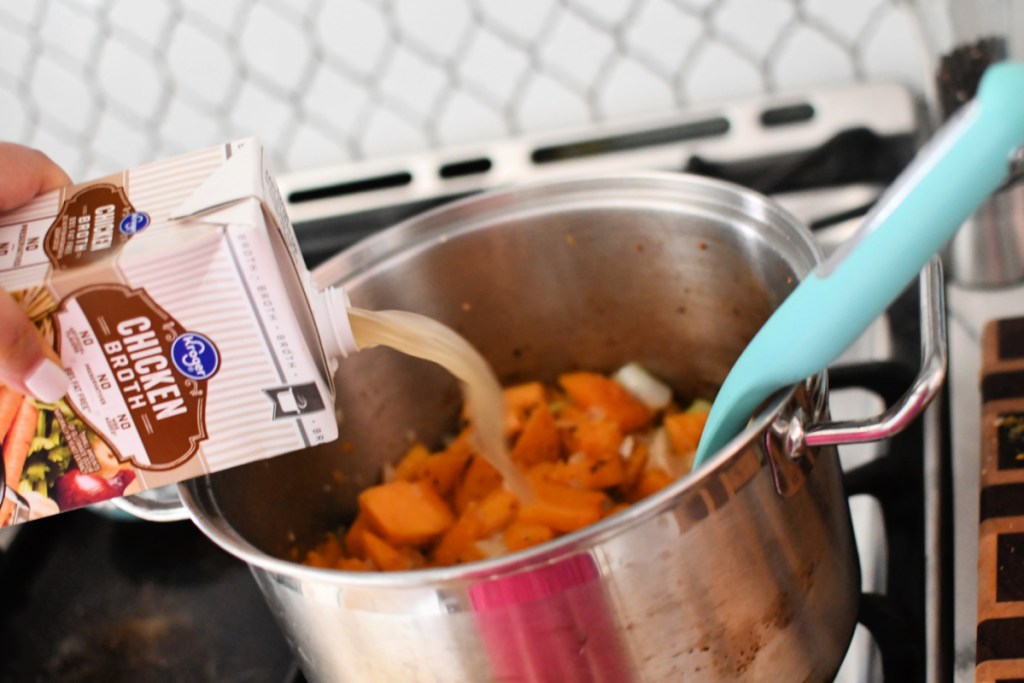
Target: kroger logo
[[195, 356], [134, 223]]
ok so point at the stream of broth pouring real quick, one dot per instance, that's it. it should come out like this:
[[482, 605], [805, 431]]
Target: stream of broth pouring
[[423, 337]]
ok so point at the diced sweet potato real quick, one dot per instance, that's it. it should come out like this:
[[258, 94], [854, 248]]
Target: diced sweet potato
[[584, 472], [406, 513], [634, 466], [520, 535], [597, 439], [315, 558], [331, 549], [354, 538], [520, 401], [616, 509], [445, 469], [607, 397], [412, 462], [562, 508], [385, 556], [651, 481], [684, 430], [458, 544], [496, 511], [480, 479], [352, 564], [539, 439], [567, 418]]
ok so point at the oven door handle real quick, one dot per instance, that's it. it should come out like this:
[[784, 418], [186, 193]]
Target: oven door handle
[[930, 378]]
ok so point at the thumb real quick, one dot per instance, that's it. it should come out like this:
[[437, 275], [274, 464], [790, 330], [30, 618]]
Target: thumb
[[26, 363]]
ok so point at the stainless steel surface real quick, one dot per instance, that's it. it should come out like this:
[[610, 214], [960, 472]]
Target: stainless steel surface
[[926, 386], [935, 544], [716, 578], [989, 249]]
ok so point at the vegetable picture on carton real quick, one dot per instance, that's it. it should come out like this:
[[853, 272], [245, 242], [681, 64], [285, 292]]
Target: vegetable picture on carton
[[40, 441], [38, 464]]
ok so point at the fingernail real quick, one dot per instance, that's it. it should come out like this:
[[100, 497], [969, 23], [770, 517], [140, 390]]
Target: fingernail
[[47, 382]]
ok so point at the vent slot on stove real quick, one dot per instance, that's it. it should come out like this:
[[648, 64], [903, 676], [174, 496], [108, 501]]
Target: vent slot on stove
[[787, 116], [383, 182], [460, 169], [621, 143]]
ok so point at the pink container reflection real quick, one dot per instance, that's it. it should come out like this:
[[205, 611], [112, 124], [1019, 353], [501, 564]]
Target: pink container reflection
[[550, 624]]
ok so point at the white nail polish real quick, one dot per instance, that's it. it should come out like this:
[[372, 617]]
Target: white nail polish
[[47, 382]]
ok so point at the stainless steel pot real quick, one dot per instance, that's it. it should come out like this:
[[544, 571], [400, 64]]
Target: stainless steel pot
[[744, 570]]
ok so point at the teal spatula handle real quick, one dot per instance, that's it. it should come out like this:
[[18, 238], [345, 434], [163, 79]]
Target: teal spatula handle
[[949, 179]]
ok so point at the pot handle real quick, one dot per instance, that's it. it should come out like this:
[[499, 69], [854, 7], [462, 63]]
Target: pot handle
[[930, 377]]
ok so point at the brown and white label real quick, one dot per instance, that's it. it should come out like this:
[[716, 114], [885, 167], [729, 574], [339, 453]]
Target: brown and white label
[[138, 378], [93, 224]]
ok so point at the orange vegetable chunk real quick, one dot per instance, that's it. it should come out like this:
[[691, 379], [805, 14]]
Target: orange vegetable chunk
[[351, 564], [315, 558], [651, 481], [481, 478], [539, 440], [583, 472], [332, 550], [562, 508], [459, 543], [385, 556], [354, 538], [443, 470], [412, 462], [605, 396], [597, 439], [406, 513], [520, 535], [520, 401], [635, 465], [496, 511], [684, 430]]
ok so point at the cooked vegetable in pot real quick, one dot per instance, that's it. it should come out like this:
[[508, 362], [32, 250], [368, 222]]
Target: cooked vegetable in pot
[[590, 447]]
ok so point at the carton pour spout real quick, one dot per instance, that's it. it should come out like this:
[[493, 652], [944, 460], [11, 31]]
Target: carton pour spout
[[331, 309]]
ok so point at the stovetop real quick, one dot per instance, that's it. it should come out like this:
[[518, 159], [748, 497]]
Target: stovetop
[[90, 597]]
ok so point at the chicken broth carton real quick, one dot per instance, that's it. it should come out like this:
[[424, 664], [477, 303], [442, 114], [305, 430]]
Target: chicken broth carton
[[180, 306]]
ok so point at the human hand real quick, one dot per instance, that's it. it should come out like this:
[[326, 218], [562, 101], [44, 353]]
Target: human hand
[[27, 364]]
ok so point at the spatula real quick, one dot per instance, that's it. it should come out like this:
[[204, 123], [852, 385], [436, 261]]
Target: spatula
[[967, 160]]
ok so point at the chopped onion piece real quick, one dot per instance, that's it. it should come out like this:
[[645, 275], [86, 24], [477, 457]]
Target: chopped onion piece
[[627, 446], [660, 452], [661, 455], [699, 406], [649, 390], [492, 546]]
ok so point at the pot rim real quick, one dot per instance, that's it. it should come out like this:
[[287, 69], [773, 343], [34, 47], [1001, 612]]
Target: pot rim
[[419, 231]]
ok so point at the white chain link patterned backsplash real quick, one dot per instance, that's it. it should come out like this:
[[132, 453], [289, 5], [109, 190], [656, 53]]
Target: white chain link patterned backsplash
[[105, 84]]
